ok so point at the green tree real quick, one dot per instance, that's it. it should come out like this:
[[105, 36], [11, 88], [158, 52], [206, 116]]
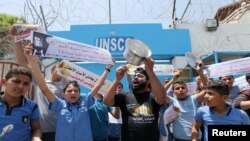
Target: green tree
[[7, 20], [6, 45]]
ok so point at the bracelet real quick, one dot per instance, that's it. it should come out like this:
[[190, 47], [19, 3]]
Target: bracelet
[[107, 69]]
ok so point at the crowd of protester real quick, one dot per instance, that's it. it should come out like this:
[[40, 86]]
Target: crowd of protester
[[61, 112]]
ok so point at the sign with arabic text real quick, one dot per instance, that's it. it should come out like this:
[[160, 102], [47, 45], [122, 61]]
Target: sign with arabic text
[[237, 66], [45, 45], [84, 77]]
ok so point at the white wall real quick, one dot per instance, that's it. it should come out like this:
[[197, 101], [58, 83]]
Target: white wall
[[245, 18], [228, 37]]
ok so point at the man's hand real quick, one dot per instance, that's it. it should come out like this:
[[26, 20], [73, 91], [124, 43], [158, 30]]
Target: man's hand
[[120, 72], [149, 64]]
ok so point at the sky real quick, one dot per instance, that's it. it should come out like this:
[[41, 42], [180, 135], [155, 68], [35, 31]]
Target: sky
[[60, 14]]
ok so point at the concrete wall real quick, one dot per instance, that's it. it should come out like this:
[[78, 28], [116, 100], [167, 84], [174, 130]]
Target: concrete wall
[[245, 18], [227, 37]]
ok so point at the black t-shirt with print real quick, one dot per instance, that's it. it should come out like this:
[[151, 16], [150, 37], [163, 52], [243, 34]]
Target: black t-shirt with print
[[140, 114]]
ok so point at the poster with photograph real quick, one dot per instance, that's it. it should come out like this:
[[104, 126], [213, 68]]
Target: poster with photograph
[[51, 46]]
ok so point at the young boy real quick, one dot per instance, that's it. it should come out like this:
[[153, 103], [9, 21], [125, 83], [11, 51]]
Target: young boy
[[233, 89], [19, 116], [186, 102], [98, 112], [217, 111], [55, 82], [72, 112]]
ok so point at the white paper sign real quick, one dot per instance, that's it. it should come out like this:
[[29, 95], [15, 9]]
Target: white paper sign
[[237, 66], [51, 46], [84, 77]]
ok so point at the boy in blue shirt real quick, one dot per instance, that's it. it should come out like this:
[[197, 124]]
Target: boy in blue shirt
[[98, 112], [217, 111], [19, 116], [72, 113]]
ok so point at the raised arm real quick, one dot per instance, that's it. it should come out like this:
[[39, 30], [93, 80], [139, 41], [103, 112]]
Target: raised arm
[[176, 75], [115, 112], [129, 81], [20, 57], [111, 92], [101, 80], [156, 86], [204, 79], [33, 65]]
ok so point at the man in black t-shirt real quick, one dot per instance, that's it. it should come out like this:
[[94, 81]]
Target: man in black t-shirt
[[140, 108]]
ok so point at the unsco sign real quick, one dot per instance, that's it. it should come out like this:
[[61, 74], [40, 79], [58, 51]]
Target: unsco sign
[[112, 44]]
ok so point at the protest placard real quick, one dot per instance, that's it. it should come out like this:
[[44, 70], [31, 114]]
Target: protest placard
[[233, 67], [45, 45], [56, 47], [84, 77]]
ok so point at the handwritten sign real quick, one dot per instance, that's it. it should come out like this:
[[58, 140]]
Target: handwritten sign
[[45, 45], [84, 77], [237, 66]]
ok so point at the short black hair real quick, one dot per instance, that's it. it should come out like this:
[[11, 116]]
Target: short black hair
[[226, 76], [180, 82], [219, 86], [74, 83], [142, 71], [17, 71]]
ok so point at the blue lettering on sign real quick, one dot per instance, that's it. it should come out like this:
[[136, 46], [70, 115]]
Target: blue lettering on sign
[[112, 44]]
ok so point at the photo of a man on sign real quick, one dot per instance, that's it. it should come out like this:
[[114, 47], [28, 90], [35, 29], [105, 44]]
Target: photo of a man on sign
[[40, 44]]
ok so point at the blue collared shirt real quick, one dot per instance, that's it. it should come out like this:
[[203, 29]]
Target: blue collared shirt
[[73, 122], [99, 120], [15, 123]]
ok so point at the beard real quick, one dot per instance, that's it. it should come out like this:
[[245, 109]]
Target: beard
[[139, 86]]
